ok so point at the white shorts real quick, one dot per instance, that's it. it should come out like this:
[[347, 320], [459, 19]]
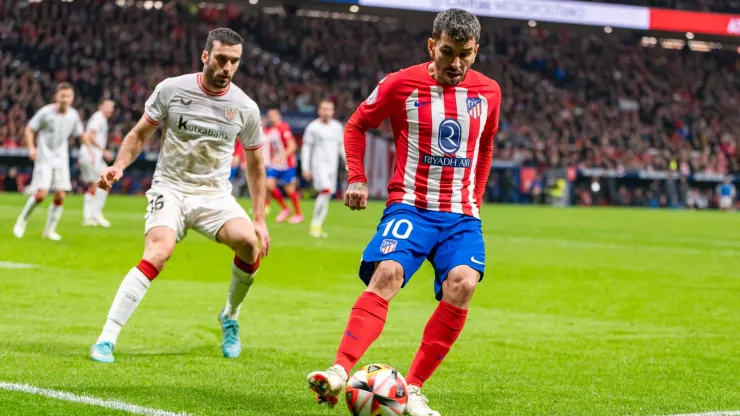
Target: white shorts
[[725, 202], [91, 170], [180, 212], [325, 180], [49, 178]]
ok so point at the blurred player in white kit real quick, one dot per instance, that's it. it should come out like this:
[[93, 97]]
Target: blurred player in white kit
[[202, 116], [93, 155], [323, 146], [54, 124]]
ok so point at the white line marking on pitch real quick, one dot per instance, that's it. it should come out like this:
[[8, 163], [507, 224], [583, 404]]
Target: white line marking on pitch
[[11, 265], [109, 404], [726, 413]]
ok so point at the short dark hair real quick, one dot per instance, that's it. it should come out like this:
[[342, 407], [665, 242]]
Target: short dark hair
[[458, 24], [64, 86], [326, 100], [225, 36]]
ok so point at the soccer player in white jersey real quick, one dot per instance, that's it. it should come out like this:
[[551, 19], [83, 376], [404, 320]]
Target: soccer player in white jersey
[[92, 158], [202, 116], [323, 146], [54, 124]]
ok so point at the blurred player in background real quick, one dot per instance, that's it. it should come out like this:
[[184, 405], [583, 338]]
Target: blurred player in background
[[238, 166], [323, 146], [55, 124], [444, 118], [92, 159], [273, 146], [282, 170], [202, 116], [726, 192]]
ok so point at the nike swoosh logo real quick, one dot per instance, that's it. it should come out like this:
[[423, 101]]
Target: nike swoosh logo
[[419, 104], [476, 261], [349, 334]]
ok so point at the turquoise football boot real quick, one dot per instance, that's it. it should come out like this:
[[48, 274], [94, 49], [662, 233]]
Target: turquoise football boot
[[231, 345], [102, 352]]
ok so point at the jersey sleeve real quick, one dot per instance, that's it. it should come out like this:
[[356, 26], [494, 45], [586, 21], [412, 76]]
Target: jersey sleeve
[[307, 148], [79, 127], [155, 109], [376, 108], [93, 124], [251, 134], [485, 152], [285, 133], [37, 119]]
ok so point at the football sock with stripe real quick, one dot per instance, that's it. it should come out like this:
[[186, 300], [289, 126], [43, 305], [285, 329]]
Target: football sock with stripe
[[242, 277], [440, 333], [129, 295], [320, 209], [366, 322]]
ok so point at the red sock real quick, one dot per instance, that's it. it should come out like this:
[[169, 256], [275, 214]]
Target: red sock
[[440, 333], [296, 202], [364, 326], [149, 270], [279, 198], [246, 267]]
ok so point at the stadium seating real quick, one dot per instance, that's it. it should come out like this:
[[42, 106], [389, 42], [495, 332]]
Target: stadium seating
[[568, 99]]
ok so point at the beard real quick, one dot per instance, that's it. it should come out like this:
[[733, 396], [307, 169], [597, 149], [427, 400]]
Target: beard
[[218, 82]]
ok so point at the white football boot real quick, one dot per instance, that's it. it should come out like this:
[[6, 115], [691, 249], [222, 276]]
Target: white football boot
[[418, 404], [328, 385], [52, 235], [20, 228], [100, 219]]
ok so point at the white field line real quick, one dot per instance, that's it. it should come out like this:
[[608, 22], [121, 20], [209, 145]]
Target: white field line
[[726, 413], [12, 265], [108, 404]]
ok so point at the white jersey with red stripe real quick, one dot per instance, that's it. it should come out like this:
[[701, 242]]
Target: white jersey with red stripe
[[443, 135], [200, 130]]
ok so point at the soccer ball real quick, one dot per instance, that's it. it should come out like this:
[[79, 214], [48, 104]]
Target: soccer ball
[[376, 390]]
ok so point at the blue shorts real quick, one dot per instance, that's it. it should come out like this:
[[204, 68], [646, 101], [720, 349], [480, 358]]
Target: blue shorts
[[282, 176], [409, 235]]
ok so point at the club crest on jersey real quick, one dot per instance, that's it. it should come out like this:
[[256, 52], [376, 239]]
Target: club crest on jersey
[[449, 136], [229, 113], [388, 246], [475, 107]]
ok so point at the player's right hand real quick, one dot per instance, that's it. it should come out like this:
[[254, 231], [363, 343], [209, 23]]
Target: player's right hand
[[110, 175], [356, 196], [32, 153], [260, 228]]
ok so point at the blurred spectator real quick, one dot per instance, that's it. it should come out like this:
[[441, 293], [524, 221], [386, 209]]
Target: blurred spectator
[[11, 182], [726, 194]]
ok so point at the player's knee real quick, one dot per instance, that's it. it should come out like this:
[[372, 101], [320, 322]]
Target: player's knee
[[459, 286], [40, 195], [58, 198], [387, 280], [158, 252], [246, 246]]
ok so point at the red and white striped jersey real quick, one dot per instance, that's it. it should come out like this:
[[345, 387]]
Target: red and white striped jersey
[[443, 134]]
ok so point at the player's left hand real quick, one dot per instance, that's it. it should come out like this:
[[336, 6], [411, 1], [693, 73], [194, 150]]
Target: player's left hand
[[260, 228], [107, 155]]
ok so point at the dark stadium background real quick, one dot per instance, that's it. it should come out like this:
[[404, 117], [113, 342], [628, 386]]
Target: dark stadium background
[[628, 117]]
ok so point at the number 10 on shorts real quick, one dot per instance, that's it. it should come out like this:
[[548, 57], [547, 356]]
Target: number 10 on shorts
[[400, 225]]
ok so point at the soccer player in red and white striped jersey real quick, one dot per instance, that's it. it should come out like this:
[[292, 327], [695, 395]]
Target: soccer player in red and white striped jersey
[[444, 117]]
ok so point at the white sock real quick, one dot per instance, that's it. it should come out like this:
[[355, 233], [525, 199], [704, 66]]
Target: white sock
[[87, 205], [100, 196], [31, 204], [241, 281], [320, 209], [129, 295], [52, 219]]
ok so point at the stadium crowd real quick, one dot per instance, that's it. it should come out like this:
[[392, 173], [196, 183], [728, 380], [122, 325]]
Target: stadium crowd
[[569, 99]]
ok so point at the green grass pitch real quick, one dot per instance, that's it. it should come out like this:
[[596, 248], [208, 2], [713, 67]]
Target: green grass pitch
[[582, 312]]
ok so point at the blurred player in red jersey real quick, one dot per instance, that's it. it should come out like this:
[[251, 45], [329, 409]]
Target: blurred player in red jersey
[[444, 117], [281, 170]]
